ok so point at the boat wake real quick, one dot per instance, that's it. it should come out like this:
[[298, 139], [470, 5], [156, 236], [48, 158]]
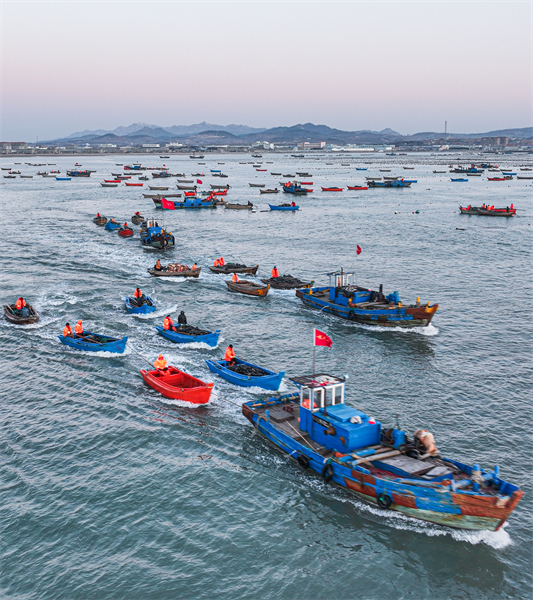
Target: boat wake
[[158, 313], [199, 346], [42, 323]]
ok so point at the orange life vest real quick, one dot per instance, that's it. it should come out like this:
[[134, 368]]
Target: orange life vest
[[221, 261], [229, 355], [137, 293], [160, 363], [67, 331], [78, 328], [216, 263], [235, 278], [168, 323], [275, 272], [21, 303]]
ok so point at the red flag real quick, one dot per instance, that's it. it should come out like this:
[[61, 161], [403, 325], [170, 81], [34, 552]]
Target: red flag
[[167, 204], [358, 250], [198, 181], [321, 339]]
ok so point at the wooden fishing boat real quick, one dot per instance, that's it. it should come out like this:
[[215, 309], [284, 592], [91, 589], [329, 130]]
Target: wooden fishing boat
[[158, 188], [10, 176], [258, 185], [184, 187], [219, 186], [112, 180], [248, 287], [24, 317], [332, 189], [287, 282], [134, 184], [496, 179], [94, 342], [125, 232], [175, 270], [344, 299], [76, 173], [357, 187], [234, 268], [289, 207], [109, 185], [495, 212], [100, 221], [389, 184], [185, 180], [137, 219], [524, 176], [439, 171], [239, 206], [111, 226], [189, 335], [261, 169], [269, 191], [177, 385], [134, 308], [265, 379], [381, 465], [178, 195], [26, 176]]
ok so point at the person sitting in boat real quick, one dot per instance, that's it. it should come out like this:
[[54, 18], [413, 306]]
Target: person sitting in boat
[[250, 203], [194, 267], [139, 296], [112, 221], [168, 324], [229, 355], [512, 206], [20, 304], [137, 213], [78, 328], [98, 215], [275, 272], [160, 363], [221, 261], [67, 331], [293, 203], [182, 319], [427, 441], [125, 226], [216, 263], [235, 278], [158, 266]]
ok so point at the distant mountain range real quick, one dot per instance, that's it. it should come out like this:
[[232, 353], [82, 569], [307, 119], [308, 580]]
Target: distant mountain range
[[203, 134]]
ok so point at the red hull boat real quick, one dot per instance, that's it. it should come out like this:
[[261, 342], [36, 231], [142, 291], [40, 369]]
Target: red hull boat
[[112, 180], [496, 178], [306, 183], [126, 232], [177, 385], [332, 189], [135, 184], [260, 169], [220, 192], [357, 187]]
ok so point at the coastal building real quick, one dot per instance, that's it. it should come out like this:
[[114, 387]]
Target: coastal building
[[311, 145], [8, 147]]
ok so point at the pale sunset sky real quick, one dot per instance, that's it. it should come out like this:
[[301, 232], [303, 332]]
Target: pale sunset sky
[[75, 65]]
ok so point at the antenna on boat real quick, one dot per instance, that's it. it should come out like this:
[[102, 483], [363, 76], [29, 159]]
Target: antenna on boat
[[397, 421]]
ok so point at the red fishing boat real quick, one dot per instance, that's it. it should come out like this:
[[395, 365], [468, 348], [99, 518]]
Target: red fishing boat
[[219, 192], [134, 184], [177, 385], [496, 178], [125, 232], [112, 180], [260, 169], [306, 183], [357, 187], [332, 189]]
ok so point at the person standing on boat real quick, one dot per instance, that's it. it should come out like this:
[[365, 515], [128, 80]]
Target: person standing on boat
[[229, 355], [235, 278], [168, 324], [67, 331], [158, 266], [78, 328], [194, 267], [221, 261], [139, 296], [160, 363], [275, 272], [182, 319], [216, 263]]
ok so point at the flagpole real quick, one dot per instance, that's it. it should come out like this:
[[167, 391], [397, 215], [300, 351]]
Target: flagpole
[[314, 352]]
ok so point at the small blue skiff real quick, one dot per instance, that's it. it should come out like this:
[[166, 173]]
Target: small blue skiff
[[111, 226], [147, 307], [463, 180], [63, 178], [210, 338], [283, 207], [269, 381], [94, 342]]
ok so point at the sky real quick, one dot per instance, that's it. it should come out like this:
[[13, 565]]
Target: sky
[[75, 65]]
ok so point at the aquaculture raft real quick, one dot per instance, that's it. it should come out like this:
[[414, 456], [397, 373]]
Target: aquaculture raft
[[382, 466]]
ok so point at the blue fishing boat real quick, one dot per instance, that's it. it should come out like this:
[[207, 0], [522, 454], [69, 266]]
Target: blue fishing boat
[[76, 173], [63, 178], [191, 202], [268, 380], [180, 337], [283, 207], [460, 180], [344, 299], [215, 170], [134, 308], [410, 180], [156, 237], [111, 226], [94, 342], [382, 466], [295, 188], [397, 183], [361, 168]]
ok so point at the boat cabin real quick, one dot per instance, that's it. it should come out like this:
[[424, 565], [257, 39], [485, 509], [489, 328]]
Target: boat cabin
[[344, 291], [326, 418]]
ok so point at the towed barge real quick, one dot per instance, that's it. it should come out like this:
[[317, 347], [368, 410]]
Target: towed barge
[[346, 300], [382, 466]]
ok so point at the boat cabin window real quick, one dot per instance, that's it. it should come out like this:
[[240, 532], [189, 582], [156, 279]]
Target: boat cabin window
[[341, 279], [322, 397]]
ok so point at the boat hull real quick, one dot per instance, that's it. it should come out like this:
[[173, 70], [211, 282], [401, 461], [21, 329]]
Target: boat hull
[[228, 270], [189, 273], [140, 310], [276, 207], [211, 339], [116, 346], [271, 382], [177, 385], [11, 316], [435, 504], [248, 288], [408, 317], [275, 285]]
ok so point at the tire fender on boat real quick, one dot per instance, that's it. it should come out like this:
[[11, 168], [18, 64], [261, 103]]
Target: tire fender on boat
[[384, 501], [327, 472], [303, 461]]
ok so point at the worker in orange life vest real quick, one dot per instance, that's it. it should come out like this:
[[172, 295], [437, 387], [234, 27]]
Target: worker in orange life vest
[[275, 272], [168, 324], [221, 261], [235, 278], [67, 331], [78, 328], [216, 263], [98, 215], [21, 303], [160, 363], [229, 355], [194, 267]]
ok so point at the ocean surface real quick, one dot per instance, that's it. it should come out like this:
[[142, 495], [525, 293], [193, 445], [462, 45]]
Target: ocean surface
[[110, 491]]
